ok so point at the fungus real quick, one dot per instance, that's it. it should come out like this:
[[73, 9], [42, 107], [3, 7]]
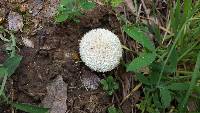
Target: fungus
[[100, 50]]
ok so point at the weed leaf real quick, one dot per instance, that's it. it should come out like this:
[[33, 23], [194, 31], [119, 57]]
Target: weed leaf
[[166, 98], [143, 79], [104, 84], [157, 67], [87, 5], [139, 36], [61, 18], [143, 60], [66, 2], [12, 63], [109, 85], [30, 108], [178, 86], [116, 3], [113, 109], [156, 100]]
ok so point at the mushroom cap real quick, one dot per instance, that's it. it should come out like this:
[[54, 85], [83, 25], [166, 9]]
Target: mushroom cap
[[100, 50]]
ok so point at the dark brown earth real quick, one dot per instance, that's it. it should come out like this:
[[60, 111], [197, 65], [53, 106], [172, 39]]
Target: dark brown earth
[[55, 53]]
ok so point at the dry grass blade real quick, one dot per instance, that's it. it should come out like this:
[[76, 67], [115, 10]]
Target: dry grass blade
[[131, 93], [130, 5]]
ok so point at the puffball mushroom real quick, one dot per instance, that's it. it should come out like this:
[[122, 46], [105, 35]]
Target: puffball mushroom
[[100, 50]]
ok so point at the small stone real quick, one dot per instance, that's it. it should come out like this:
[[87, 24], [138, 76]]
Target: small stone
[[15, 21], [28, 43], [56, 96]]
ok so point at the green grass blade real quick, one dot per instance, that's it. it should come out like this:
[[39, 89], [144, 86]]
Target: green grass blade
[[175, 16], [3, 84], [187, 51], [195, 74], [3, 71], [30, 108], [173, 60], [187, 8]]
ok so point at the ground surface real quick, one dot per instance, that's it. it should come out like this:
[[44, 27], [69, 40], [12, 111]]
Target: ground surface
[[53, 52]]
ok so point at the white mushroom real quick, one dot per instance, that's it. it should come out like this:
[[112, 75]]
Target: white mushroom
[[100, 50]]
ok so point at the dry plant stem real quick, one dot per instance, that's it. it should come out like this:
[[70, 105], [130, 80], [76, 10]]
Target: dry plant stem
[[162, 28], [117, 98], [168, 27], [172, 109], [145, 9], [12, 96], [123, 35], [132, 100], [130, 5], [98, 2], [142, 17], [185, 72], [131, 93], [138, 13]]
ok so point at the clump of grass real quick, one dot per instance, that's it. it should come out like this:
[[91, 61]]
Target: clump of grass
[[167, 81]]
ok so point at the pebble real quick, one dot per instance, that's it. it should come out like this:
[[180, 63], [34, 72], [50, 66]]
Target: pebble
[[28, 43]]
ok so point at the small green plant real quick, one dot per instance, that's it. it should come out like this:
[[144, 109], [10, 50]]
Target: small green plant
[[113, 3], [8, 68], [109, 85], [113, 109], [70, 9]]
